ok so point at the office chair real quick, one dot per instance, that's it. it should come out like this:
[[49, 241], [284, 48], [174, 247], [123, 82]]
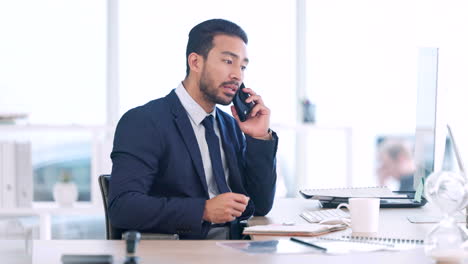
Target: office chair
[[113, 233]]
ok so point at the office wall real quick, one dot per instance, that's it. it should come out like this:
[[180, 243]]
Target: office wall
[[52, 60]]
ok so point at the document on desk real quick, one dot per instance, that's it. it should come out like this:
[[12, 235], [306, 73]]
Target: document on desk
[[333, 193], [293, 230]]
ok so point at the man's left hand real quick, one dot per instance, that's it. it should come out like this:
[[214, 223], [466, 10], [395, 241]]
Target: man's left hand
[[258, 121]]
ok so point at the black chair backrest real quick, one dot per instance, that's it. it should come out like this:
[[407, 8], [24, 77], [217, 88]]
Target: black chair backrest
[[111, 232]]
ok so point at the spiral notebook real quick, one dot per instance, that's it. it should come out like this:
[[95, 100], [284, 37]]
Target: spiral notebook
[[293, 230], [352, 244]]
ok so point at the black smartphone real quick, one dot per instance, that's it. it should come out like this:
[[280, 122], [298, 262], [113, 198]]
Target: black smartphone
[[243, 109], [87, 259]]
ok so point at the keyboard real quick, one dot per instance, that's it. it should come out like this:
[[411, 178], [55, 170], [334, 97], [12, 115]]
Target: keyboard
[[319, 215]]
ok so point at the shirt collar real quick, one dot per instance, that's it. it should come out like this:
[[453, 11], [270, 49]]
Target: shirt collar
[[194, 110]]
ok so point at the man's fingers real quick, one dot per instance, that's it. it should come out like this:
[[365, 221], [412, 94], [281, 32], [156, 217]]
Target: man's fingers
[[259, 110], [257, 99], [235, 213], [238, 206], [230, 214], [249, 91], [254, 97], [228, 207], [240, 198]]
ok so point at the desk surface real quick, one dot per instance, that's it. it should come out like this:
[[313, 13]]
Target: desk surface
[[393, 223], [206, 252]]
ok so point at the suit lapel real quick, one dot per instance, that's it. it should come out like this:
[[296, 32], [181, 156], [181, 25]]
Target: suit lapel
[[186, 131]]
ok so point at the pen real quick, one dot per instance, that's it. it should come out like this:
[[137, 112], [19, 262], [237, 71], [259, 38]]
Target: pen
[[307, 244]]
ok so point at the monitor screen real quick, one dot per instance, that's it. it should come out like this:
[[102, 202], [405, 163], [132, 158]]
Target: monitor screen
[[405, 160], [452, 159], [426, 109]]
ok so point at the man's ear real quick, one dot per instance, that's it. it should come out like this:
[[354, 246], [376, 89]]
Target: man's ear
[[195, 62]]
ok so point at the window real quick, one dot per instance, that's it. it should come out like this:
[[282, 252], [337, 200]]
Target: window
[[52, 60], [53, 67]]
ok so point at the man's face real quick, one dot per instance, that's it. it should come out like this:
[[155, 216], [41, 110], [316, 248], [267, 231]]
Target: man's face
[[223, 69]]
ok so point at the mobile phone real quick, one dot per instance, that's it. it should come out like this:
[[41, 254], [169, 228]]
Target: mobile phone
[[87, 259], [243, 109]]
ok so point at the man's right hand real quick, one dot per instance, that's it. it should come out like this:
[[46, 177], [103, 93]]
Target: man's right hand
[[225, 207]]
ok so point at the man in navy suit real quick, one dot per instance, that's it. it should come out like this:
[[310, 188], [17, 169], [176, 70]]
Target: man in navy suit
[[183, 166]]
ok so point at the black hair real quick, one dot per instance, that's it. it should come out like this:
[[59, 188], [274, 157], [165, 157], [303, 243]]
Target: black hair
[[201, 36]]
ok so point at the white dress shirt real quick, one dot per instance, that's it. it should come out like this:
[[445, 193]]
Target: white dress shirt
[[196, 115]]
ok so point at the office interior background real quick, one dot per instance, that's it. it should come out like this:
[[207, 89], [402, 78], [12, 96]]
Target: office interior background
[[337, 76]]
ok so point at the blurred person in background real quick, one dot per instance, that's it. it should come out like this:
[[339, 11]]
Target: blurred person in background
[[396, 164]]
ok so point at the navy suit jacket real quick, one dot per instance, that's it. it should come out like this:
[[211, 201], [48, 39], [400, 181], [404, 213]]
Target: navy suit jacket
[[158, 183]]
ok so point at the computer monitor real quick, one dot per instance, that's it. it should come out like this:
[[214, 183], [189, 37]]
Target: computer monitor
[[426, 117], [424, 142]]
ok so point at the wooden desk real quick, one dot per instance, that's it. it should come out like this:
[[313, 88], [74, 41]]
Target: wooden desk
[[204, 252], [393, 223]]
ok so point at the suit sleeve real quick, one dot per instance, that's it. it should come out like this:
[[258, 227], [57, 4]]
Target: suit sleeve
[[136, 157], [260, 172]]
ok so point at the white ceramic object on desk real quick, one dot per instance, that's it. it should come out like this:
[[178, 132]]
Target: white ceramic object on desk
[[449, 256], [65, 193]]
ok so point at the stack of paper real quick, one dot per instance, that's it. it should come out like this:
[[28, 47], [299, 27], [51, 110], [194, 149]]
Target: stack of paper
[[293, 230]]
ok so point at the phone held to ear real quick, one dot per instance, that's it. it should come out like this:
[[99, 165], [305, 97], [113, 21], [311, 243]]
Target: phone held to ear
[[243, 109]]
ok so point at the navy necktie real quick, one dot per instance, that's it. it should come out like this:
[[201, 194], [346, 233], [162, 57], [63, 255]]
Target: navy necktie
[[215, 154]]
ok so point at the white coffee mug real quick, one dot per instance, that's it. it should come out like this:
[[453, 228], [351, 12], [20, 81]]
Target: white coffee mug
[[364, 215]]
